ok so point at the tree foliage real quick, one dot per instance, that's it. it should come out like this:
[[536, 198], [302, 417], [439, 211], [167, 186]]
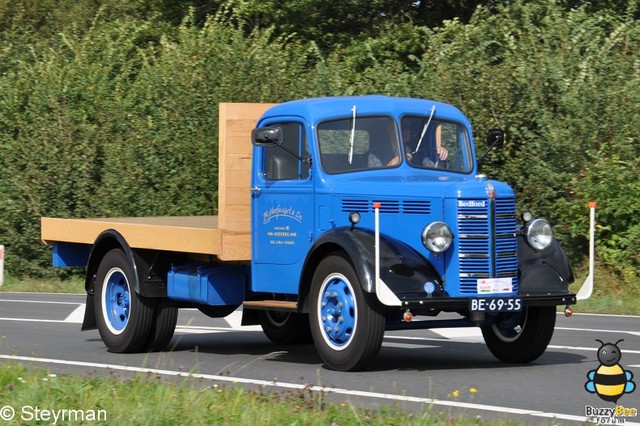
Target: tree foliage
[[112, 109]]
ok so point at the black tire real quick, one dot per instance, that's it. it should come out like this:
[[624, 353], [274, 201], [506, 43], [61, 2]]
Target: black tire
[[165, 317], [347, 324], [521, 337], [285, 328], [124, 318]]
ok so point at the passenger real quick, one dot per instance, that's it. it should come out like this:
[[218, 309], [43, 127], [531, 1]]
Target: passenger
[[386, 148]]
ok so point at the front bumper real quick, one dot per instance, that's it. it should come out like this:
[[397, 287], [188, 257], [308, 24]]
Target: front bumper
[[460, 304]]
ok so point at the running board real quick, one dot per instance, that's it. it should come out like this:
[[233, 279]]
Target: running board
[[271, 305]]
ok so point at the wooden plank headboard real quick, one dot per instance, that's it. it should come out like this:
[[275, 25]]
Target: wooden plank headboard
[[236, 120]]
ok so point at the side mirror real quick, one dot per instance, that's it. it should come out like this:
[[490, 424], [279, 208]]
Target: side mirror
[[495, 138], [266, 136]]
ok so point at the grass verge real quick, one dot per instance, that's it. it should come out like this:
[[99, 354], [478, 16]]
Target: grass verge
[[611, 295], [73, 284], [151, 400]]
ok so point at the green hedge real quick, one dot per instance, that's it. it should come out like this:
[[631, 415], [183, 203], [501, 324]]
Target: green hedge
[[120, 117]]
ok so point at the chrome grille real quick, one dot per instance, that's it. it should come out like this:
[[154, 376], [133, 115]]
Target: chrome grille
[[483, 244], [506, 242]]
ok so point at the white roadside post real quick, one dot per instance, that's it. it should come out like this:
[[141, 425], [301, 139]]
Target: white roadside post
[[1, 265], [587, 287]]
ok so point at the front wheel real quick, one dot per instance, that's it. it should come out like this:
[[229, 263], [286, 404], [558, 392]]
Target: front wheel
[[123, 317], [521, 337], [347, 324]]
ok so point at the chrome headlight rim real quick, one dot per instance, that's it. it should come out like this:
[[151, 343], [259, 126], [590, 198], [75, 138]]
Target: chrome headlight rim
[[437, 237], [539, 234]]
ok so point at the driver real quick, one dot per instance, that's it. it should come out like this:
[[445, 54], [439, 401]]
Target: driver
[[437, 157]]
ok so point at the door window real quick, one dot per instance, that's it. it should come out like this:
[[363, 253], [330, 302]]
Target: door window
[[290, 159]]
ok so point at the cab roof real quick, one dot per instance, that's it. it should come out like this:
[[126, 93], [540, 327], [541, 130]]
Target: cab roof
[[319, 109]]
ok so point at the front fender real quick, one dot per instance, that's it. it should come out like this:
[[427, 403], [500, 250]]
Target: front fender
[[403, 269], [545, 272]]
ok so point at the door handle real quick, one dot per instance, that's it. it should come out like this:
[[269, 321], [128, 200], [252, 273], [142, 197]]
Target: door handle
[[255, 190]]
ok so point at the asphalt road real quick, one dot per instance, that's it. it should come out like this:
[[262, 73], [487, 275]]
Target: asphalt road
[[414, 368]]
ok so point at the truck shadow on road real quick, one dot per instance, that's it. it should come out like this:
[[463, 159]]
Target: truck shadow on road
[[244, 343], [459, 356], [440, 355]]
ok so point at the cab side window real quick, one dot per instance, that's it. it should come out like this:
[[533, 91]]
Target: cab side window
[[289, 160]]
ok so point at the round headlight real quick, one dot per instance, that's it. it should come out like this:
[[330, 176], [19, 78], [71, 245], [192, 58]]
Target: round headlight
[[354, 218], [436, 237], [539, 234]]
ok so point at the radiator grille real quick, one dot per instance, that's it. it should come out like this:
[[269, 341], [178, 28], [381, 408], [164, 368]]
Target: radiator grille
[[487, 237]]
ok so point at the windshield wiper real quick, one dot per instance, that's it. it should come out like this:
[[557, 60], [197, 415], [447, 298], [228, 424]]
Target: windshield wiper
[[353, 134], [424, 129]]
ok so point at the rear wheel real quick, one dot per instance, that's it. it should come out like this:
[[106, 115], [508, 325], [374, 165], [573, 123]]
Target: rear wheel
[[285, 328], [521, 337], [165, 317], [347, 324], [124, 318]]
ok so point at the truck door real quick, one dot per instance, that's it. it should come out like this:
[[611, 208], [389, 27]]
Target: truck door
[[282, 209]]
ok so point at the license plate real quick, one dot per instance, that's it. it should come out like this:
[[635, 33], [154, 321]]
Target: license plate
[[495, 304]]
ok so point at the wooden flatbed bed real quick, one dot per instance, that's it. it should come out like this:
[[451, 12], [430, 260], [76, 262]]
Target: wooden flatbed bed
[[227, 236], [194, 234]]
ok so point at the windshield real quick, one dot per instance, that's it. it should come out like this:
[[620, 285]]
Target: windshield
[[436, 144], [349, 145]]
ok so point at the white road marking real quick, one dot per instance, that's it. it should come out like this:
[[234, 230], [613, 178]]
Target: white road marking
[[296, 386], [600, 315], [593, 349], [77, 316], [234, 319], [475, 334], [463, 334], [51, 302], [185, 329], [596, 330], [407, 345], [32, 320]]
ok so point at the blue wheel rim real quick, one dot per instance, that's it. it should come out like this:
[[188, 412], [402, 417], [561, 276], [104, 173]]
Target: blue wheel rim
[[116, 298], [337, 310]]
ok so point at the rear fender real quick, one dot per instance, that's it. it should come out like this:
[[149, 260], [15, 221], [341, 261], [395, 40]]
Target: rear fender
[[107, 240]]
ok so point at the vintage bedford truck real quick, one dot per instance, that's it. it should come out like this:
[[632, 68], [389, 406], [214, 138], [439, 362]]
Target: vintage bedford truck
[[338, 218]]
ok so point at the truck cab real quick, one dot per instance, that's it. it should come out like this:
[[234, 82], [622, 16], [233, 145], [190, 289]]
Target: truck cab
[[370, 211]]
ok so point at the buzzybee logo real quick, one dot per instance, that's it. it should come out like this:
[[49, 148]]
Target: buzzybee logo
[[609, 381]]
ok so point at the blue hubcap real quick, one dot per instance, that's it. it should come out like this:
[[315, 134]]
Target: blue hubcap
[[337, 310], [116, 297]]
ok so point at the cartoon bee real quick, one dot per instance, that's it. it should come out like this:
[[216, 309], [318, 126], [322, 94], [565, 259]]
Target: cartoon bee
[[609, 381]]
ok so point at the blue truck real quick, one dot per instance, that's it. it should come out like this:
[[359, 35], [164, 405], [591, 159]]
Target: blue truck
[[338, 218]]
